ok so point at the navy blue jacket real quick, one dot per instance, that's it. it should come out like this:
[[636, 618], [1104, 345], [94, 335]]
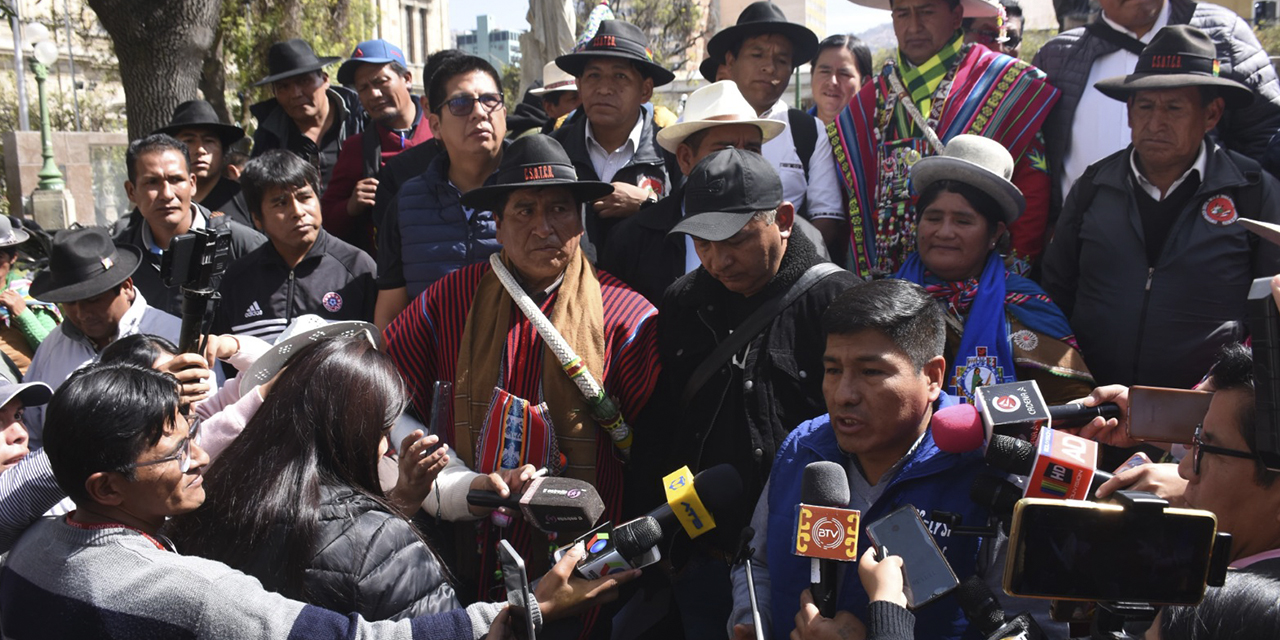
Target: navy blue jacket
[[928, 479]]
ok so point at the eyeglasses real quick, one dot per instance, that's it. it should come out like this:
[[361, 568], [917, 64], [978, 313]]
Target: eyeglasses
[[182, 453], [1199, 448], [462, 106]]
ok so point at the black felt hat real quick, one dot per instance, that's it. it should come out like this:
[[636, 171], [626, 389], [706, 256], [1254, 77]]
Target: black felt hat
[[198, 114], [292, 58], [617, 39], [82, 264], [725, 190], [709, 67], [761, 18], [534, 161], [1178, 56]]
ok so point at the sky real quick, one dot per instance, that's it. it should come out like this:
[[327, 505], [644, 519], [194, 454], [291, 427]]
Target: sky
[[842, 15]]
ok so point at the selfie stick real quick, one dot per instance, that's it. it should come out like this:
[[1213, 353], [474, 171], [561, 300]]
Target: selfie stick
[[745, 554]]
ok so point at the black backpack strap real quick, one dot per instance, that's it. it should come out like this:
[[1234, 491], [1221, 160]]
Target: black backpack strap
[[371, 150], [1125, 41], [747, 331], [805, 136]]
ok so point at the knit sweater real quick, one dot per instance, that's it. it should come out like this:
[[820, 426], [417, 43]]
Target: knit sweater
[[65, 580]]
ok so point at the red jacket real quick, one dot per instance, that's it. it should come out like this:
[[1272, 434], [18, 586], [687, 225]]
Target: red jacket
[[350, 169]]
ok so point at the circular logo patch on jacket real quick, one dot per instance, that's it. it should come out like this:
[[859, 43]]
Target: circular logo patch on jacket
[[1025, 340], [332, 302], [1219, 210]]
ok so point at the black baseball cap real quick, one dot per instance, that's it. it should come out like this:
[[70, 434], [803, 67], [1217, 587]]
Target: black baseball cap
[[724, 191]]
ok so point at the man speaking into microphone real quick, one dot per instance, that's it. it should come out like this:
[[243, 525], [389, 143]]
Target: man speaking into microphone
[[883, 377]]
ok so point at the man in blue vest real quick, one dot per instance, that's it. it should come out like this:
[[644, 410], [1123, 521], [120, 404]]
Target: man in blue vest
[[882, 382]]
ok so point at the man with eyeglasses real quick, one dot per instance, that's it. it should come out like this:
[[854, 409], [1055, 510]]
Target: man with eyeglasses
[[427, 233], [132, 463], [1221, 472]]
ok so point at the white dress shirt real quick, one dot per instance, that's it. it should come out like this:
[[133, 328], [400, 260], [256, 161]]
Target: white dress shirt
[[607, 162], [1154, 191], [1100, 126], [822, 190]]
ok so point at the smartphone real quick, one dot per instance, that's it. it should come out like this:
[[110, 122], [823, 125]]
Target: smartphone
[[1074, 550], [441, 410], [516, 581], [927, 575], [1166, 415]]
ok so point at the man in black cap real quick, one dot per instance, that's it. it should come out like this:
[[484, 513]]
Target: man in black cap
[[91, 278], [307, 116], [466, 330], [614, 138], [208, 142], [160, 186], [1147, 261], [741, 344], [761, 53], [376, 70]]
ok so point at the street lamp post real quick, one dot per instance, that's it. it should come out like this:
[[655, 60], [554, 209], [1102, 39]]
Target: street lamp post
[[46, 54]]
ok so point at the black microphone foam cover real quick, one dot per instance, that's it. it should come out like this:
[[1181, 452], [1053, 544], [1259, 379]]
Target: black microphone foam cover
[[632, 539], [1011, 454], [997, 495], [980, 605], [825, 485], [719, 487]]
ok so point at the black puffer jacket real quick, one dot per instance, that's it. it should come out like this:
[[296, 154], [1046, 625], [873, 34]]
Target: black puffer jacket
[[367, 561], [1068, 57]]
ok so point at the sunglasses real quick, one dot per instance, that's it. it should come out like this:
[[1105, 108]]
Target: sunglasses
[[1199, 448], [182, 453], [462, 106]]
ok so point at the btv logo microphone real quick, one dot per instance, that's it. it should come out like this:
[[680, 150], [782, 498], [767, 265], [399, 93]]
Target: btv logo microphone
[[599, 542]]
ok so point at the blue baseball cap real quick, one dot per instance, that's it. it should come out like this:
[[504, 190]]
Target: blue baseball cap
[[370, 52]]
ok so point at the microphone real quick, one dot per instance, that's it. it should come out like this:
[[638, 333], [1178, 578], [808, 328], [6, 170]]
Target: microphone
[[634, 544], [692, 500], [1019, 409], [826, 529], [553, 505], [961, 428], [628, 545], [1059, 466], [998, 496], [985, 614]]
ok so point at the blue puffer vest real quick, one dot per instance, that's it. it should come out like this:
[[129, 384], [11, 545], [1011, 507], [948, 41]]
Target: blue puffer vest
[[929, 479], [436, 237]]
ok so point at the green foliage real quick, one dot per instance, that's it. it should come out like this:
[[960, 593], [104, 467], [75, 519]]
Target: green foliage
[[1032, 41], [250, 27], [511, 95], [1269, 35], [673, 26]]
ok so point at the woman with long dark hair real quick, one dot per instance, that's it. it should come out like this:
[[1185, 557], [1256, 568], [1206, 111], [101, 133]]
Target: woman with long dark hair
[[295, 500]]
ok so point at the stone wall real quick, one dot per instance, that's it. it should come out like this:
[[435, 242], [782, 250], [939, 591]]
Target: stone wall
[[92, 165]]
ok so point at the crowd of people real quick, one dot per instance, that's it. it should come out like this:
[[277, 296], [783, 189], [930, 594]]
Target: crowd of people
[[429, 296]]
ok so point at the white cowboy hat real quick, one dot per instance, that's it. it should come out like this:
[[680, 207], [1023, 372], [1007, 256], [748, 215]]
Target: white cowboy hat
[[711, 106], [555, 79], [972, 8]]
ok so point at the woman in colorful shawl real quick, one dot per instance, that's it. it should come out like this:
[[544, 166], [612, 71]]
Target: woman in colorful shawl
[[1001, 327]]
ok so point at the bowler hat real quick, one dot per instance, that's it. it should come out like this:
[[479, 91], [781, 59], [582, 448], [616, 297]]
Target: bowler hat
[[10, 236], [761, 18], [724, 191], [198, 114], [534, 161], [82, 264], [1178, 56], [292, 58], [617, 39], [369, 52], [716, 104], [979, 162]]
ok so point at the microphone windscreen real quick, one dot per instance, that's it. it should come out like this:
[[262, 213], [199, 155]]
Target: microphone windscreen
[[719, 488], [1011, 454], [980, 605], [632, 539], [958, 428], [998, 495], [825, 485]]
